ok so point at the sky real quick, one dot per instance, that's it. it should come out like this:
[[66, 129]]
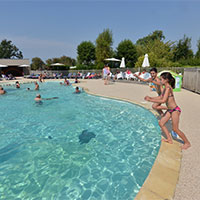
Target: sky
[[50, 28]]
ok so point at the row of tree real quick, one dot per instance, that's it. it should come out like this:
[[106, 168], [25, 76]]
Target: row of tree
[[92, 55], [161, 53], [10, 51], [37, 63]]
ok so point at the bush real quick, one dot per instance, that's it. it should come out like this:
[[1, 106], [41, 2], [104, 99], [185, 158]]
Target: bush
[[157, 62], [191, 62]]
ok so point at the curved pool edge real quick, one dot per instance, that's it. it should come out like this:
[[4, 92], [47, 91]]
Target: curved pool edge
[[161, 182]]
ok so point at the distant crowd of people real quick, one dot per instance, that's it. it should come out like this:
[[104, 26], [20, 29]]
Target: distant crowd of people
[[7, 77], [38, 96]]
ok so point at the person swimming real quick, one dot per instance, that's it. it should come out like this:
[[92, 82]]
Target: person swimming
[[17, 84], [38, 98], [77, 90], [2, 91]]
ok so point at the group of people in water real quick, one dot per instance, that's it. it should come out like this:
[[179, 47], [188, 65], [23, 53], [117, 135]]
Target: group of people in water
[[66, 82], [38, 97], [164, 87]]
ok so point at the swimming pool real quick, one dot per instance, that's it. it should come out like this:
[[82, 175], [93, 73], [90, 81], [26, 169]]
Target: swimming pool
[[45, 151]]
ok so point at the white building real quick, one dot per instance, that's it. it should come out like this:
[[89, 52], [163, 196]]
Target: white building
[[16, 67]]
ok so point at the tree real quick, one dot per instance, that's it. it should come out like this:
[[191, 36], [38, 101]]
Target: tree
[[156, 35], [9, 50], [127, 50], [160, 52], [67, 61], [103, 46], [183, 49], [37, 64], [155, 61], [86, 53], [49, 61], [198, 49]]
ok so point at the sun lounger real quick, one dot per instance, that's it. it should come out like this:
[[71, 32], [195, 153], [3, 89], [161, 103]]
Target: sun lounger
[[120, 76], [69, 75]]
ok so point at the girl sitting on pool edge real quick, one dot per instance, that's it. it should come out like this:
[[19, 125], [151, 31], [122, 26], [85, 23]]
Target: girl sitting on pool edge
[[173, 110]]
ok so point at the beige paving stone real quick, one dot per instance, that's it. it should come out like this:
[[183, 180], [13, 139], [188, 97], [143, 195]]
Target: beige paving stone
[[170, 156], [145, 194], [162, 181]]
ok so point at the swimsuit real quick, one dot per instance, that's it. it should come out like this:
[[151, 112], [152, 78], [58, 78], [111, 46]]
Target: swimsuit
[[174, 109], [163, 93]]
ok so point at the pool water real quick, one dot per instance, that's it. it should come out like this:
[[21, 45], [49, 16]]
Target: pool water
[[43, 156]]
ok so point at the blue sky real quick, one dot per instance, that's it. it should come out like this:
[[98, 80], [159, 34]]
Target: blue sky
[[49, 29]]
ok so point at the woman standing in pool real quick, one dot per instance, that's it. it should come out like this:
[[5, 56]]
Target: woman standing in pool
[[173, 111], [36, 86]]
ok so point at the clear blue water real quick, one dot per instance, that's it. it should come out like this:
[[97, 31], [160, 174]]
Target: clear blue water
[[41, 156]]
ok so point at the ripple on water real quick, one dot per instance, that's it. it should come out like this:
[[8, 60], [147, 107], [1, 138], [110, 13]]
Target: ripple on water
[[40, 152]]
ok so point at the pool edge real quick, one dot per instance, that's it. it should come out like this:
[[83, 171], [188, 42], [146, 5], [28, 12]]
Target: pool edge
[[161, 182]]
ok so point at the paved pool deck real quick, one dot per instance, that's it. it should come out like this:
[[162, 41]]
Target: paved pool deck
[[175, 173]]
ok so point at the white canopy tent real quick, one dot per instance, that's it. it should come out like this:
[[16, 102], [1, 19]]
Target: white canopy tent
[[113, 59], [24, 65], [3, 65], [72, 67], [122, 65], [57, 64]]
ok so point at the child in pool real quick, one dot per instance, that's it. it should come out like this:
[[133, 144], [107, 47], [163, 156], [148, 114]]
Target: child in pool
[[2, 91], [77, 90], [17, 84], [173, 110]]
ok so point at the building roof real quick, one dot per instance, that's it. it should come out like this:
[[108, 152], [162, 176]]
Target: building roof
[[14, 62]]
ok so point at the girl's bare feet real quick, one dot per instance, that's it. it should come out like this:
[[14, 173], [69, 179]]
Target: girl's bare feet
[[166, 140], [186, 146]]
